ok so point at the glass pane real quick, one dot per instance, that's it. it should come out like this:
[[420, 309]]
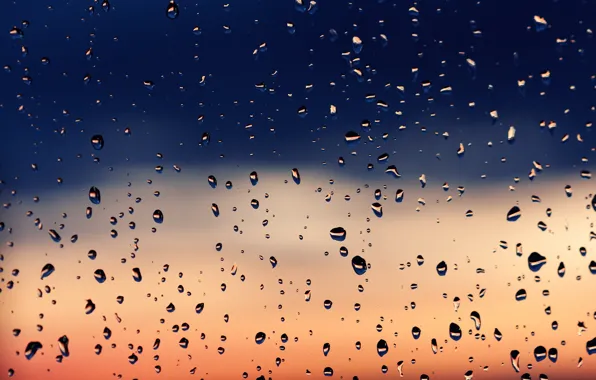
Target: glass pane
[[269, 189]]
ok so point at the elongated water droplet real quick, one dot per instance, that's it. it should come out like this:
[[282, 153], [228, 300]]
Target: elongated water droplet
[[475, 316], [514, 357], [296, 176], [136, 275], [63, 345], [215, 209], [55, 236], [254, 178], [47, 270], [100, 276], [382, 347], [172, 10], [94, 195], [455, 331], [514, 214]]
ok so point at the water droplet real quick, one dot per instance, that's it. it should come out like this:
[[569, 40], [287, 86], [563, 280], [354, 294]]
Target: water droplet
[[136, 275], [521, 295], [514, 214], [97, 142], [382, 348], [475, 316], [433, 345], [455, 331], [539, 353], [31, 349], [94, 195], [89, 307], [359, 265], [212, 181], [158, 216], [498, 335], [199, 308], [442, 268], [338, 234], [132, 359], [254, 178], [260, 337], [55, 236], [215, 209], [591, 346], [172, 10], [514, 356], [553, 354], [377, 209], [47, 270], [296, 176], [536, 261], [416, 332], [100, 276]]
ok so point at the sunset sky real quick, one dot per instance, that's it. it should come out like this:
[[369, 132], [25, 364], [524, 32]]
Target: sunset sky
[[433, 89]]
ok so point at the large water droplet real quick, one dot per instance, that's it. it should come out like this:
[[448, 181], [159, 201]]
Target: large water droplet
[[455, 331], [31, 349], [94, 195], [97, 142], [359, 265], [514, 214], [382, 348], [475, 316], [536, 261], [521, 295], [254, 178], [540, 353], [514, 357], [136, 275], [338, 234], [172, 10], [260, 337], [100, 276], [47, 270], [158, 216]]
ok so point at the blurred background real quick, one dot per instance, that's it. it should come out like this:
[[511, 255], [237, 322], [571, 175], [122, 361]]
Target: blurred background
[[178, 171]]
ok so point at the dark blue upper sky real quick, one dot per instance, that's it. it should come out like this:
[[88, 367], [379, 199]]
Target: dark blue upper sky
[[135, 42]]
